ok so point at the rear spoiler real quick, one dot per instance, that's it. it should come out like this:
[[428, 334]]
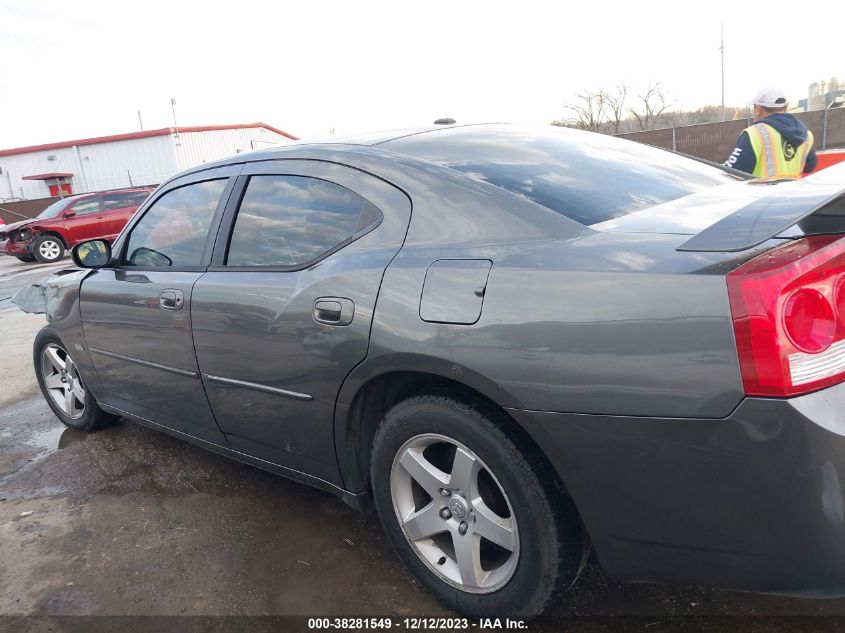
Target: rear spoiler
[[789, 203]]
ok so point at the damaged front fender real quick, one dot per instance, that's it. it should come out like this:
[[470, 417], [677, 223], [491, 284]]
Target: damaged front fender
[[52, 296], [57, 297]]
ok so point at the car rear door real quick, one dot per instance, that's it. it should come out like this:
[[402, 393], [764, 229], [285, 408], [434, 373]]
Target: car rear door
[[137, 316], [284, 312], [118, 208]]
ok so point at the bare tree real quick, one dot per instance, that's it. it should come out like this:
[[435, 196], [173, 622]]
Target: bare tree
[[704, 114], [651, 104], [623, 109], [614, 105], [588, 112]]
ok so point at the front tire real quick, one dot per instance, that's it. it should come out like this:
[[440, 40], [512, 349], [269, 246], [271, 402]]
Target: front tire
[[468, 513], [62, 386], [48, 249]]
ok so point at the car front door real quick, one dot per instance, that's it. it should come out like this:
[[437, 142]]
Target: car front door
[[83, 220], [284, 313], [137, 316]]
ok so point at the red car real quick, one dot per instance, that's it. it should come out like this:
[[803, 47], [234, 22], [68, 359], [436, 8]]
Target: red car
[[70, 221], [828, 158]]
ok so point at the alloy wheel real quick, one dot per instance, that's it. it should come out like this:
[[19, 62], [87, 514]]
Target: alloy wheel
[[62, 380], [454, 513]]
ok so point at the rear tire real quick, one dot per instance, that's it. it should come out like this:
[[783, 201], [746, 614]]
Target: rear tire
[[440, 527], [62, 386], [48, 249]]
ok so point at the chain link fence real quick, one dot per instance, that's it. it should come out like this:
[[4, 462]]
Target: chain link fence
[[715, 141]]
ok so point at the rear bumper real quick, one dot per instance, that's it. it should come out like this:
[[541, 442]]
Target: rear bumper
[[755, 501], [17, 249]]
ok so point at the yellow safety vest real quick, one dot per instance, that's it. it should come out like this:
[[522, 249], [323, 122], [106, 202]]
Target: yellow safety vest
[[776, 158]]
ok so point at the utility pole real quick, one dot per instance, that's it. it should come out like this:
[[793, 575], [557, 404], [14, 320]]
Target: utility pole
[[176, 127], [722, 51], [140, 122]]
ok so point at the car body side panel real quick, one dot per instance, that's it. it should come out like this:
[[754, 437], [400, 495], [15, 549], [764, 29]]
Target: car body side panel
[[614, 342], [753, 501], [114, 220], [78, 226], [561, 332], [255, 328], [61, 308], [615, 353], [557, 294], [142, 349], [144, 356]]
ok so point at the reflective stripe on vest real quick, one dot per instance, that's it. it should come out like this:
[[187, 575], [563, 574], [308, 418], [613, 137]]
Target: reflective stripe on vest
[[772, 162]]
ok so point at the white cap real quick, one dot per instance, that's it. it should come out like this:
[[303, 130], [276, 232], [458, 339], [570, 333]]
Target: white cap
[[771, 98]]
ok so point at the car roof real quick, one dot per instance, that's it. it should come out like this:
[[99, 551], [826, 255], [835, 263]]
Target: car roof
[[384, 136], [341, 143], [124, 189], [353, 142], [77, 196], [378, 137]]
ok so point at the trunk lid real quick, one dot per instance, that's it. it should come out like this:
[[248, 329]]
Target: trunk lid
[[738, 216]]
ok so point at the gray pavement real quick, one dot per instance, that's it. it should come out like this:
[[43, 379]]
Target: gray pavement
[[128, 521]]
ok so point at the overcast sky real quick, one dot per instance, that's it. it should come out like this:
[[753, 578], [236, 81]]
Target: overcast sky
[[84, 68]]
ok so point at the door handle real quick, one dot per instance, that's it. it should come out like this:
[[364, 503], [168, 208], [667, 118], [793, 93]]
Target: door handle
[[334, 311], [171, 299]]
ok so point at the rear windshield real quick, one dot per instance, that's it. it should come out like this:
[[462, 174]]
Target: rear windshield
[[587, 177]]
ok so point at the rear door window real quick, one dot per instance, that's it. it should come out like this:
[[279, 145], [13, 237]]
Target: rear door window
[[112, 201], [293, 221]]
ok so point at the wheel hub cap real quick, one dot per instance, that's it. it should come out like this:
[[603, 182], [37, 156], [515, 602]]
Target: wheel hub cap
[[458, 507]]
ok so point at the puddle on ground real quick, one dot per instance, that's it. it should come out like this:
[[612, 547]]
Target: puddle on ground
[[56, 438]]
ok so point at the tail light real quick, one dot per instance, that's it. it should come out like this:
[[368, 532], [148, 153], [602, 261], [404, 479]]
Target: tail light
[[788, 308]]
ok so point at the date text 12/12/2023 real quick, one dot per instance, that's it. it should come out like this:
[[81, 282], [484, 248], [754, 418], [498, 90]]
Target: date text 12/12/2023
[[416, 624]]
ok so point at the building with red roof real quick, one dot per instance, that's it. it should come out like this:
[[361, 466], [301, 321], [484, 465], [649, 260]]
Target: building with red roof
[[123, 160]]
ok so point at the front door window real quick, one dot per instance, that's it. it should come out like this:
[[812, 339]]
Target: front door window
[[174, 230], [84, 207]]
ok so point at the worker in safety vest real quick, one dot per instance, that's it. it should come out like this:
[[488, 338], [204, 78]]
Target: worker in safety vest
[[778, 145]]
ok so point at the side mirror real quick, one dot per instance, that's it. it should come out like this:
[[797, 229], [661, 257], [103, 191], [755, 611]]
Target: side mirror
[[143, 257], [70, 214], [91, 254]]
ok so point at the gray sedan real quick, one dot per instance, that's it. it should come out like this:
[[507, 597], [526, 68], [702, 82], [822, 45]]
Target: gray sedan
[[514, 343]]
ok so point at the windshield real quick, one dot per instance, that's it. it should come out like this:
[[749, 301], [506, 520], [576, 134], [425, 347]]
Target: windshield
[[588, 177], [54, 209]]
